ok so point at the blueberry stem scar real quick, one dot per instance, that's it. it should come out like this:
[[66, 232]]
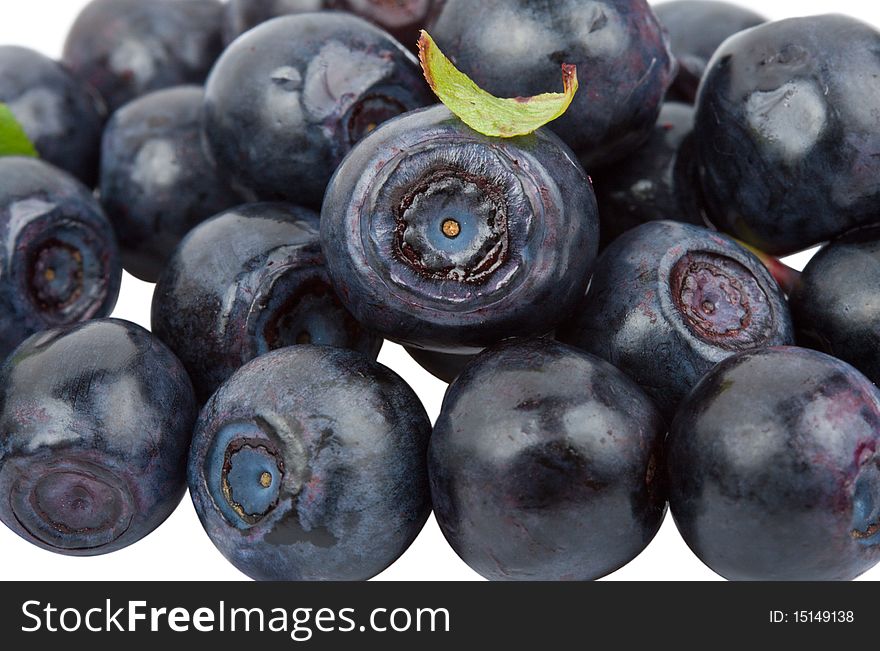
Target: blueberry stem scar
[[451, 228]]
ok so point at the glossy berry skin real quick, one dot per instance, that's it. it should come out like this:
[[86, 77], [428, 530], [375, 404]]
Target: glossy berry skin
[[658, 181], [59, 263], [401, 18], [240, 16], [309, 464], [127, 48], [61, 115], [774, 468], [546, 464], [157, 182], [287, 101], [245, 283], [835, 307], [668, 301], [442, 366], [444, 239], [95, 424], [516, 48], [697, 28], [783, 124]]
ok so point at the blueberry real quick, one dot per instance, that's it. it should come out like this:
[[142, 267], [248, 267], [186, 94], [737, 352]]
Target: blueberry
[[58, 258], [668, 301], [774, 468], [697, 28], [127, 48], [241, 16], [786, 133], [835, 307], [62, 116], [658, 181], [515, 48], [95, 424], [443, 239], [401, 18], [443, 366], [157, 182], [310, 464], [247, 282], [546, 464], [287, 101]]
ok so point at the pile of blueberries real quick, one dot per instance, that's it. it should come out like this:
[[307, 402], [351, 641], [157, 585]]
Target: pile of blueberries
[[281, 170]]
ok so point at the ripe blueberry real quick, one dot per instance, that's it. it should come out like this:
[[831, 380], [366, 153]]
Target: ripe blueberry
[[286, 102], [95, 424], [62, 116], [310, 464], [546, 464], [127, 48], [514, 48], [247, 282], [834, 305], [156, 180], [774, 468], [58, 258], [786, 134], [668, 301], [443, 239], [401, 18], [697, 28]]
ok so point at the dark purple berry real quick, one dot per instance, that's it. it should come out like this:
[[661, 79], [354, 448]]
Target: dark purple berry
[[95, 424], [401, 18], [157, 182], [127, 48], [286, 102], [697, 28], [443, 239], [310, 464], [786, 134], [546, 464], [58, 258], [443, 366], [834, 306], [668, 301], [245, 283], [62, 116], [514, 48], [774, 468]]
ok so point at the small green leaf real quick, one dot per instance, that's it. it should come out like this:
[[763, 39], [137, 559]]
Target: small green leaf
[[13, 139], [482, 111]]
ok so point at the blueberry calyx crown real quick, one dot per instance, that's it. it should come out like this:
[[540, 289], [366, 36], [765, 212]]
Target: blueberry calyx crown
[[369, 113], [251, 478], [288, 323], [56, 275], [73, 505], [866, 507], [452, 225], [721, 301]]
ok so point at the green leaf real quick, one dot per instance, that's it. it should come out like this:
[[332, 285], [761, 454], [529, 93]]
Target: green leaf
[[482, 111], [13, 139]]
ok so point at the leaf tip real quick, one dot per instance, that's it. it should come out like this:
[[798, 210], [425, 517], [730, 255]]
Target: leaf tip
[[570, 82], [425, 45]]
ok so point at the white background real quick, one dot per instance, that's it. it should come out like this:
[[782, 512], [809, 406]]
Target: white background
[[179, 549]]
